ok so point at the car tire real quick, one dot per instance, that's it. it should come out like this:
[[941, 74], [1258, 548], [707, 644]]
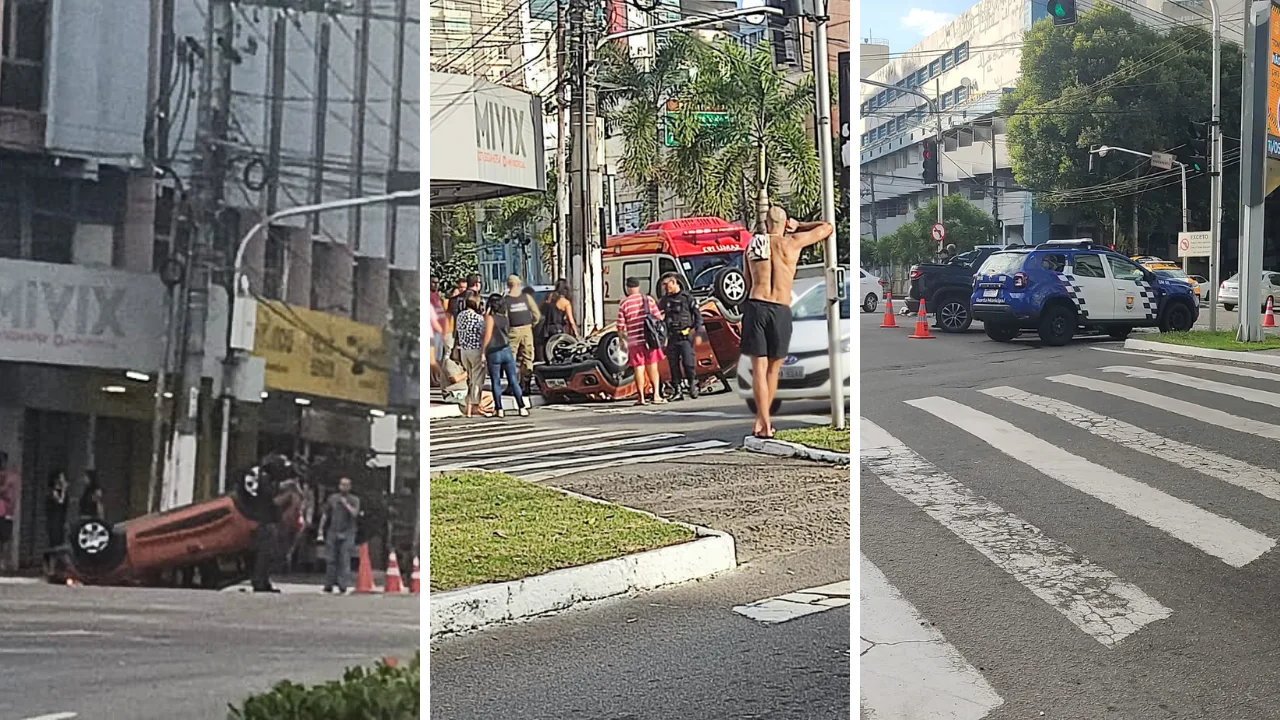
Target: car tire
[[870, 302], [94, 546], [1228, 307], [1057, 325], [1119, 333], [611, 351], [952, 315], [773, 406], [1177, 318], [1001, 333], [730, 287], [554, 342]]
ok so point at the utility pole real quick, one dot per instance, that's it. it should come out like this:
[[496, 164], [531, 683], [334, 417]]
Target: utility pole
[[875, 234], [583, 214], [357, 137], [995, 188], [1215, 168], [320, 120], [562, 263], [1253, 166], [397, 98], [211, 131]]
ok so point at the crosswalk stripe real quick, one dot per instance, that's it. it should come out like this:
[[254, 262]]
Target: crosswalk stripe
[[1220, 537], [1264, 481], [494, 449], [702, 445], [471, 427], [1224, 369], [1247, 394], [637, 460], [1200, 413], [479, 439], [908, 669], [1093, 598], [634, 440]]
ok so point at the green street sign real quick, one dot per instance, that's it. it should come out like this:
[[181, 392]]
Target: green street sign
[[705, 119]]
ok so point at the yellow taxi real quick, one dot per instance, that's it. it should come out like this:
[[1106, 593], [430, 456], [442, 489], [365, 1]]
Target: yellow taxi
[[1166, 269]]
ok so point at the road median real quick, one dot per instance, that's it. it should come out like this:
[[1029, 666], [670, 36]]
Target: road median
[[818, 443], [503, 550], [1213, 345]]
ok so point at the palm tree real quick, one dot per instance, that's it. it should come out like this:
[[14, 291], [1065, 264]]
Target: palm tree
[[725, 168], [634, 95]]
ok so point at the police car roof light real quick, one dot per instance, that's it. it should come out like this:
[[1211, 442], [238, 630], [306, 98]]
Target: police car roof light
[[1078, 243]]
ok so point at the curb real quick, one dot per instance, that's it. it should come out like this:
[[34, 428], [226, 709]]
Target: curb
[[480, 606], [783, 448], [441, 410], [1251, 358]]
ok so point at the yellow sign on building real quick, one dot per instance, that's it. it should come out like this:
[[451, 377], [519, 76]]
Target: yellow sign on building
[[315, 353]]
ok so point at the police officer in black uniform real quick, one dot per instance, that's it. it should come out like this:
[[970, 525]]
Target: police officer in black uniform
[[684, 322], [264, 489]]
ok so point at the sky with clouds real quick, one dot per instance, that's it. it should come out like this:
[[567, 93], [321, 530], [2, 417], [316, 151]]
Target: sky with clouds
[[906, 23]]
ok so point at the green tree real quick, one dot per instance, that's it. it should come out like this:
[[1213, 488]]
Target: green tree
[[734, 168], [530, 216], [634, 95], [1108, 80], [967, 226]]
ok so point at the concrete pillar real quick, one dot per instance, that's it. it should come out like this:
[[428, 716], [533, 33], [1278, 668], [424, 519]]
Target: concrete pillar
[[332, 274], [373, 279], [298, 256], [139, 241]]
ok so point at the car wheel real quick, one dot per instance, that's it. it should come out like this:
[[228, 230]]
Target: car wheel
[[1177, 318], [611, 351], [1057, 325], [1001, 333], [1119, 333], [554, 343], [953, 315], [1228, 307], [94, 546], [870, 302], [730, 287], [773, 406]]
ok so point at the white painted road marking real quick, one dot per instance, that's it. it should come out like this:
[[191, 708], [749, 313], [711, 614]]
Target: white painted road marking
[[471, 427], [572, 447], [702, 445], [1247, 394], [1220, 537], [1264, 481], [472, 440], [1224, 369], [1200, 413], [1093, 598], [908, 669], [790, 606], [661, 457], [55, 716]]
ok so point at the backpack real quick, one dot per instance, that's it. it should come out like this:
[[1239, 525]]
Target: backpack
[[655, 330]]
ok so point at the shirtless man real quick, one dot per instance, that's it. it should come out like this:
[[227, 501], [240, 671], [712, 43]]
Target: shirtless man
[[766, 314]]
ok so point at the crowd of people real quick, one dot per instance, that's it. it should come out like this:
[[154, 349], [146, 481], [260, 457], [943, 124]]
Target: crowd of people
[[495, 337]]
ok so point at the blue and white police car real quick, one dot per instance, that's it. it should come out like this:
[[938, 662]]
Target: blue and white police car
[[1063, 286]]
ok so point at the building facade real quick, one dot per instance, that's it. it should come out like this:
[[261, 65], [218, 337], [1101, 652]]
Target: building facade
[[91, 231]]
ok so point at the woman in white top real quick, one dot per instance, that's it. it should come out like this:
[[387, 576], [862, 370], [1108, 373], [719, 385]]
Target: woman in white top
[[468, 333]]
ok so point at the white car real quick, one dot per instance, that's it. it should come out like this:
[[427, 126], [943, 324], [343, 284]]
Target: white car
[[805, 373], [870, 290], [1229, 291]]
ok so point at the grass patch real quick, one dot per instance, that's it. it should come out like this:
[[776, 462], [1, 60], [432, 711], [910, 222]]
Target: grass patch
[[489, 527], [823, 437], [1221, 340]]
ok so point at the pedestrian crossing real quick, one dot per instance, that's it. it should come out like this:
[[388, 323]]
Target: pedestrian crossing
[[537, 454], [1173, 457]]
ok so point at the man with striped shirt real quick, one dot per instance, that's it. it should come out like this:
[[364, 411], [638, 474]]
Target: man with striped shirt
[[643, 359]]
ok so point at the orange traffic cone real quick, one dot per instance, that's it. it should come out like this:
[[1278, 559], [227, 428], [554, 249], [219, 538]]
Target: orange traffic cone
[[1268, 318], [889, 322], [922, 325], [364, 578], [416, 577], [393, 586]]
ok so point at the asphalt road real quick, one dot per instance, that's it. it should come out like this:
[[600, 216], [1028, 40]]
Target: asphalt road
[[682, 651], [163, 654], [1066, 532]]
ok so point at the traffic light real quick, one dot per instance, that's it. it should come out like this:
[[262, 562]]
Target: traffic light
[[784, 33], [929, 155], [1196, 156], [1063, 12]]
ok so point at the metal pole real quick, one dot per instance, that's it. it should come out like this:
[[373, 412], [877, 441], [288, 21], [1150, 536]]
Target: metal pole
[[354, 219], [995, 188], [1183, 169], [1215, 169], [397, 101], [1253, 167], [826, 165]]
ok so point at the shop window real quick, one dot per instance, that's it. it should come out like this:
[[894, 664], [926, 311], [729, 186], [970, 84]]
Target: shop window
[[22, 54], [962, 53]]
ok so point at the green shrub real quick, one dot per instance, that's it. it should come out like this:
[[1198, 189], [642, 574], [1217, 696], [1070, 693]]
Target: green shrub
[[385, 692]]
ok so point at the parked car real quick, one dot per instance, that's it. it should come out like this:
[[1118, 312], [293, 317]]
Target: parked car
[[945, 288], [1203, 283], [1229, 291], [1062, 286], [870, 290], [806, 372]]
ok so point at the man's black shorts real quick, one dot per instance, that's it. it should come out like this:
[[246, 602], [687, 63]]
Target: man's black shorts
[[766, 329]]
